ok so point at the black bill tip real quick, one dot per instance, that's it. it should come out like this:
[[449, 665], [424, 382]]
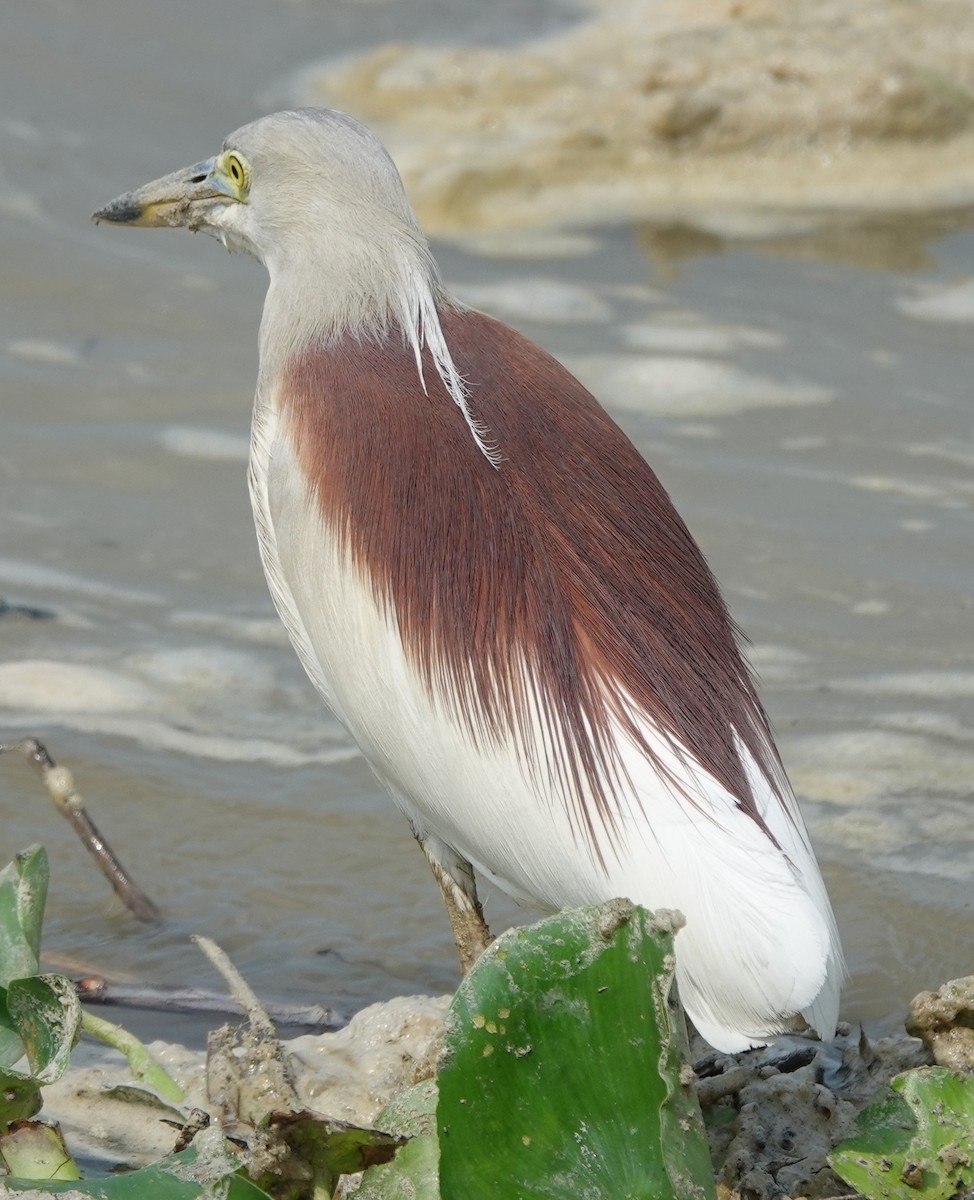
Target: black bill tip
[[122, 211]]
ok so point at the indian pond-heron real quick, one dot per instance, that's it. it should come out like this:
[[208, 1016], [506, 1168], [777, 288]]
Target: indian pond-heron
[[494, 594]]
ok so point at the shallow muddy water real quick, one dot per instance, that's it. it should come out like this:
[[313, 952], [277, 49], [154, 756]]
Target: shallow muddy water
[[807, 401]]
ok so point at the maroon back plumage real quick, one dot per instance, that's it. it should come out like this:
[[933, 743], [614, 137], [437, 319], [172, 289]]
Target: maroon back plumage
[[569, 554]]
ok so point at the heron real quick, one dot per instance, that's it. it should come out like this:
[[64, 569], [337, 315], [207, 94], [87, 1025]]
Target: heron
[[494, 594]]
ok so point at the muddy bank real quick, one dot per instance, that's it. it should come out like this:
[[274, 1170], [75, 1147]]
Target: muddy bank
[[740, 114], [775, 1113]]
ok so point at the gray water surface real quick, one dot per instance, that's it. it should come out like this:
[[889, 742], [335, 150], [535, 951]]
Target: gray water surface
[[807, 402]]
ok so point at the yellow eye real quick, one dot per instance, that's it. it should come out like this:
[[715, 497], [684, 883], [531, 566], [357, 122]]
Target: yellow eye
[[237, 170]]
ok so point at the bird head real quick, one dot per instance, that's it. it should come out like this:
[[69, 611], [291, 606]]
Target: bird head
[[295, 182], [313, 195]]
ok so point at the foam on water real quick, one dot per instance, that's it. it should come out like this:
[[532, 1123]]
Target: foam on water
[[885, 792], [951, 451], [678, 386], [871, 608], [39, 686], [542, 300], [778, 663], [214, 445], [803, 442], [190, 671], [935, 684], [689, 335], [264, 631], [19, 205], [14, 572], [159, 735], [700, 430], [953, 304], [210, 702], [955, 493], [37, 350], [933, 724]]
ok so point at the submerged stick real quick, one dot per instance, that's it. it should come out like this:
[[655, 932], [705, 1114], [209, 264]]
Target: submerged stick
[[192, 1002], [60, 785]]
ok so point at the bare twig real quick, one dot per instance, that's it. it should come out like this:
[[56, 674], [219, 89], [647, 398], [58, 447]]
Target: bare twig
[[60, 785], [190, 1001], [240, 989]]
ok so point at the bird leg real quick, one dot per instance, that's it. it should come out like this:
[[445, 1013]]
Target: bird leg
[[459, 888]]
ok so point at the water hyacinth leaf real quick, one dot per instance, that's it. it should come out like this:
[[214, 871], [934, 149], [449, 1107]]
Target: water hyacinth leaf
[[23, 892], [182, 1176], [412, 1175], [19, 1099], [11, 1047], [47, 1015], [327, 1147], [916, 1142], [414, 1172], [35, 1150], [239, 1187], [562, 1076], [413, 1112]]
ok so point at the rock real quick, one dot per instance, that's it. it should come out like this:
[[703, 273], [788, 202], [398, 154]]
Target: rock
[[944, 1022]]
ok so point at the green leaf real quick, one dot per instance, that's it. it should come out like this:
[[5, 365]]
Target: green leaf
[[183, 1176], [47, 1015], [241, 1188], [19, 1099], [23, 891], [36, 1151], [328, 1147], [12, 1048], [563, 1070], [917, 1142], [413, 1112], [414, 1172]]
